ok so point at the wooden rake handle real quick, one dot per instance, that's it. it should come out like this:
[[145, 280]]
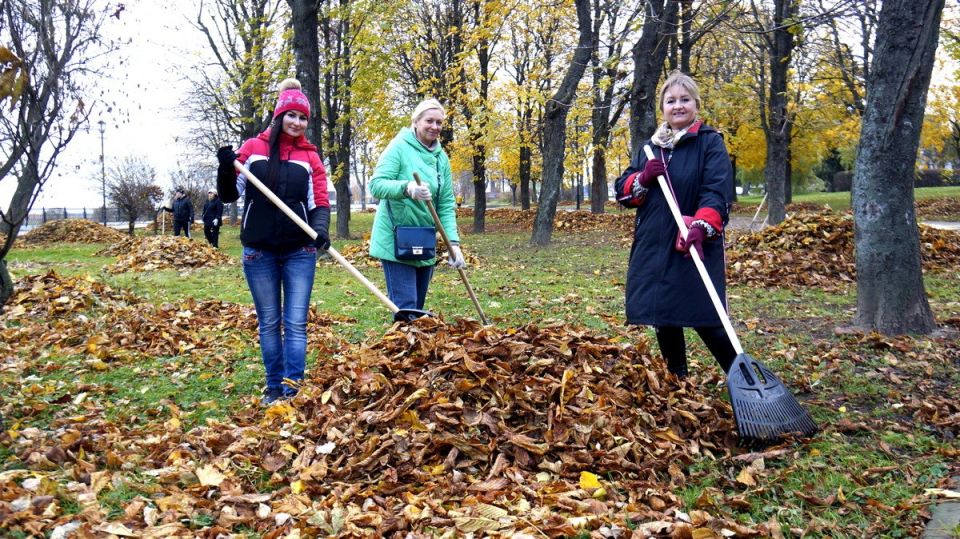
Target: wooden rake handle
[[446, 242], [695, 255], [313, 235]]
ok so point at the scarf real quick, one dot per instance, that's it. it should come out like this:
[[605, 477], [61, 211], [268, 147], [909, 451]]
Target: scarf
[[666, 136]]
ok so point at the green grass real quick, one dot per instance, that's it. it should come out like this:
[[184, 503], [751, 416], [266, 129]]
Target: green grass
[[841, 201]]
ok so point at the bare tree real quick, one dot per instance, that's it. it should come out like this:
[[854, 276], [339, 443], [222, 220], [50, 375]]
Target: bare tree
[[649, 54], [59, 44], [132, 188], [555, 123], [612, 22], [233, 96], [890, 292], [429, 40], [534, 40]]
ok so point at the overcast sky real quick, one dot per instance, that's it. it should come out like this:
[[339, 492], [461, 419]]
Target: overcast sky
[[146, 89]]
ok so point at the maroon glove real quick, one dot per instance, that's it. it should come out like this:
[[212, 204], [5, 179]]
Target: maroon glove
[[651, 170], [695, 236]]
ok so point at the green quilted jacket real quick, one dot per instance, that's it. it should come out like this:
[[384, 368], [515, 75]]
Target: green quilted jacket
[[404, 155]]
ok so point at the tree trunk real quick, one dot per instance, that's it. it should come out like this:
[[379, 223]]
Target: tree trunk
[[6, 282], [345, 90], [777, 132], [649, 53], [598, 186], [525, 176], [479, 193], [555, 123], [306, 50], [890, 292]]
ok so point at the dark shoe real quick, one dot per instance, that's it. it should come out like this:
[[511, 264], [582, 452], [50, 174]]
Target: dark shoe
[[271, 395]]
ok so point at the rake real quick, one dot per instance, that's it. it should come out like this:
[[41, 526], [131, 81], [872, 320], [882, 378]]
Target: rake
[[763, 408]]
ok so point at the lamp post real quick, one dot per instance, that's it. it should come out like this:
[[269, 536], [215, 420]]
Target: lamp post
[[103, 174]]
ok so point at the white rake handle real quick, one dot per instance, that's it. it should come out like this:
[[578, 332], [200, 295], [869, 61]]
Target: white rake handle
[[695, 255]]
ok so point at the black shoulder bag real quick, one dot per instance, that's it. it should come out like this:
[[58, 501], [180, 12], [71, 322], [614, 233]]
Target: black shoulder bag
[[413, 242]]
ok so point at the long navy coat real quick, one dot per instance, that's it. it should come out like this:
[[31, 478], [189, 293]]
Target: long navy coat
[[663, 287]]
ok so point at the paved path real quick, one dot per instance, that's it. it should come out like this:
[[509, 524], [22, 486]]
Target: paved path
[[945, 522]]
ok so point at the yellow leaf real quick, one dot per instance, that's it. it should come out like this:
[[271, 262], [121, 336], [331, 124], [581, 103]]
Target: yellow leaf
[[297, 487], [209, 476], [589, 480], [281, 410], [290, 449], [325, 397], [474, 524], [840, 495], [205, 376], [746, 478], [491, 511]]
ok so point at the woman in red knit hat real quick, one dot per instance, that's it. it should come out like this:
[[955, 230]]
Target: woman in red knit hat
[[278, 257]]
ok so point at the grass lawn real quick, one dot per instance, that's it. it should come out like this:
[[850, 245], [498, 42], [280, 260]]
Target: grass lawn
[[841, 201], [867, 470]]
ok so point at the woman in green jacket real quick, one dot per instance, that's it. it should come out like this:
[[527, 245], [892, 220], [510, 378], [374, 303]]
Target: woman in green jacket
[[403, 202]]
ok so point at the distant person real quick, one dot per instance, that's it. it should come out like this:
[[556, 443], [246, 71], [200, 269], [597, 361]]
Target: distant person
[[664, 288], [182, 210], [212, 218], [403, 203], [279, 258]]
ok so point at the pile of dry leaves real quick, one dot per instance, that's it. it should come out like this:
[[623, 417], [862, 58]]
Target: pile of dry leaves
[[72, 231], [618, 223], [531, 430], [162, 252], [359, 255], [817, 249], [933, 208]]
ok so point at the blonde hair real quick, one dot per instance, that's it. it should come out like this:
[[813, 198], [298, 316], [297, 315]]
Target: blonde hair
[[681, 79], [424, 106]]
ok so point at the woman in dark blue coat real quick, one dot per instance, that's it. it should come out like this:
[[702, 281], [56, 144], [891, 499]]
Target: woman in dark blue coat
[[664, 289]]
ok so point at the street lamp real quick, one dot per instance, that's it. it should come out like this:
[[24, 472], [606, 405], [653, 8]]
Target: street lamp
[[103, 174]]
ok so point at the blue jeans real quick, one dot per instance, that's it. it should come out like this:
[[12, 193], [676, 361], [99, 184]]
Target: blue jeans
[[282, 345], [407, 285]]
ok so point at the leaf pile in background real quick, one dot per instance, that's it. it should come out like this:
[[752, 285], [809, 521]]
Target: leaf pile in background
[[359, 255], [72, 231], [932, 208], [618, 224], [817, 249], [76, 315], [163, 252]]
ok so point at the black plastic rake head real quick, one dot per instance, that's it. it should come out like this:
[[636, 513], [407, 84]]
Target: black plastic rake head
[[764, 409]]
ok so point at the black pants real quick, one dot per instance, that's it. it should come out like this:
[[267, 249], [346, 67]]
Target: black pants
[[674, 348], [212, 233], [181, 225]]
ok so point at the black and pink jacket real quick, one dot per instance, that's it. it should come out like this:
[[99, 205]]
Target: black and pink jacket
[[301, 183]]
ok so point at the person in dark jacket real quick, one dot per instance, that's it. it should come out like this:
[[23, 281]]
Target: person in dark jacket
[[182, 210], [279, 258], [663, 287], [212, 218]]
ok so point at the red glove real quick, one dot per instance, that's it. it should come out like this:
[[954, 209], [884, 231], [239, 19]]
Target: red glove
[[651, 170], [695, 236]]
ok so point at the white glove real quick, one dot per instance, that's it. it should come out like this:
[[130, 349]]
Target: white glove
[[418, 192], [456, 260], [216, 222]]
